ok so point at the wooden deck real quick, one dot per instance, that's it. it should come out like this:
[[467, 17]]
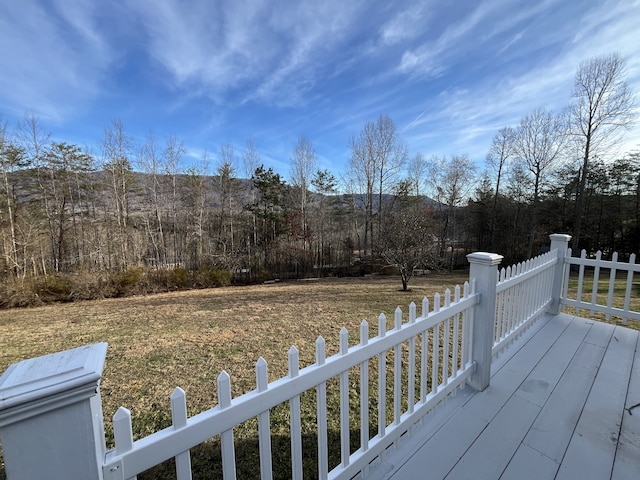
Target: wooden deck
[[556, 409]]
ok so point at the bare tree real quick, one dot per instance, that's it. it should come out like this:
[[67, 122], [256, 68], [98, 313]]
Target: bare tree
[[361, 178], [539, 142], [12, 158], [195, 198], [116, 153], [226, 186], [377, 157], [408, 240], [417, 169], [34, 138], [172, 157], [303, 164], [250, 162], [149, 159], [501, 151], [390, 156], [603, 107], [450, 182]]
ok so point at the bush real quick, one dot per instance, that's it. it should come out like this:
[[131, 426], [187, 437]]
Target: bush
[[166, 280], [14, 295], [86, 285], [211, 278], [128, 282], [178, 278], [53, 288]]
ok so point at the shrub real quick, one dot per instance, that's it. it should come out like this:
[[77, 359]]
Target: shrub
[[87, 285], [164, 280], [178, 278], [14, 294], [128, 282], [53, 288], [211, 277]]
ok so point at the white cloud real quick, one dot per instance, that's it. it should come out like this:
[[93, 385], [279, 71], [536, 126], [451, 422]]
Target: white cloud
[[270, 51], [516, 38], [434, 55], [407, 24], [464, 119], [54, 60]]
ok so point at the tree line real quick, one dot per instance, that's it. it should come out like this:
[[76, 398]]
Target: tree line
[[64, 209]]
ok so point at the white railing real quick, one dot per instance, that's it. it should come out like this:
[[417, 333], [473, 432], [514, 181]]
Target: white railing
[[438, 363], [604, 300], [523, 294]]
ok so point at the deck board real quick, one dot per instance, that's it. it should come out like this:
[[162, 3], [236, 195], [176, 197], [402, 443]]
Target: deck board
[[446, 446], [592, 448], [507, 430], [626, 461], [555, 409], [552, 430], [498, 441]]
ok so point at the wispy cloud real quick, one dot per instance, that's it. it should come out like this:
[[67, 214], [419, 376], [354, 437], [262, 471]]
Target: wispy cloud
[[449, 73], [54, 58], [269, 51], [407, 24], [474, 112], [512, 41]]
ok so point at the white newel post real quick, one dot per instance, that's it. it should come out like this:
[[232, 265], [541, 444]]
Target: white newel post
[[484, 269], [559, 242], [51, 423]]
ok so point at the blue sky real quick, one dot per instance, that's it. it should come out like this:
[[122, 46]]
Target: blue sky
[[450, 74]]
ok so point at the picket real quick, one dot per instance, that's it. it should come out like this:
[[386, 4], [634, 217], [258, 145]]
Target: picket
[[612, 283], [179, 420], [226, 439], [321, 390], [264, 427], [344, 402], [364, 390], [295, 426]]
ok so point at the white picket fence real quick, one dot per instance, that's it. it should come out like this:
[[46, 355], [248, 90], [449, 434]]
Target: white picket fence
[[601, 300], [402, 374], [438, 363], [523, 294]]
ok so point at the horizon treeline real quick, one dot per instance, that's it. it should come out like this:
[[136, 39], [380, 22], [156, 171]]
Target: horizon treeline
[[65, 210]]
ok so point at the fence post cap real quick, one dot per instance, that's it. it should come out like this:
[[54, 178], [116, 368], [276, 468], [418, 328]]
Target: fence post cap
[[485, 258], [38, 385], [562, 237]]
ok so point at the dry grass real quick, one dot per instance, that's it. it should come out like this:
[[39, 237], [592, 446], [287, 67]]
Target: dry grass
[[160, 341], [186, 338]]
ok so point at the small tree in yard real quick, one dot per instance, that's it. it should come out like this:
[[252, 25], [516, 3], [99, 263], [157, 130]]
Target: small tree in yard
[[407, 241]]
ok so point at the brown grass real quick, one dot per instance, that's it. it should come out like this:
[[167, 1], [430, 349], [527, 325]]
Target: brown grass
[[185, 339]]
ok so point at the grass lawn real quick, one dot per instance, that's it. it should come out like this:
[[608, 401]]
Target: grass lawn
[[186, 339]]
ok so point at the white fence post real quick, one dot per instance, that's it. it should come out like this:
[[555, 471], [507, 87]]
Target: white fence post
[[484, 269], [51, 423], [559, 242]]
